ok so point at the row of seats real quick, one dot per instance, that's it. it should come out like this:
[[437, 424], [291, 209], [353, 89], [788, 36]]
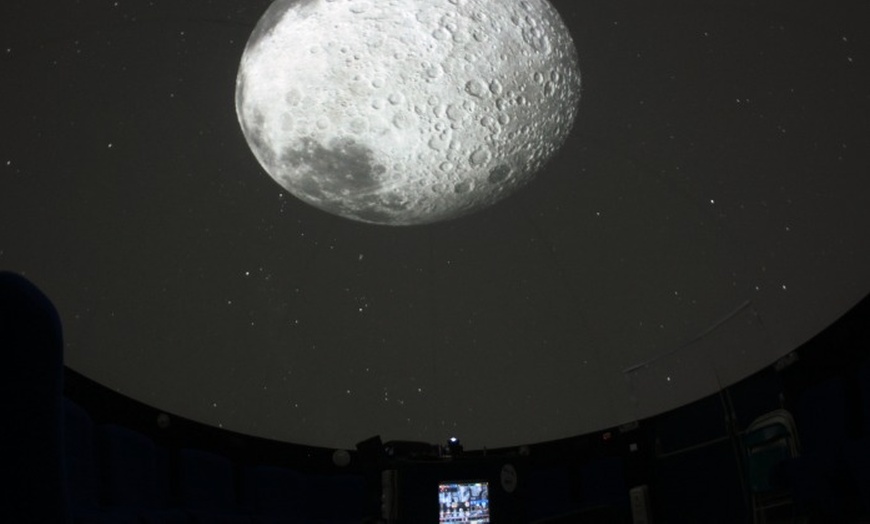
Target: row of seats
[[118, 475], [595, 491], [831, 475], [812, 460]]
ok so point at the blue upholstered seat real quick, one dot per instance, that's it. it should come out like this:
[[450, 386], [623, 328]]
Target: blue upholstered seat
[[80, 462], [207, 488], [31, 348], [819, 478], [276, 495], [327, 489]]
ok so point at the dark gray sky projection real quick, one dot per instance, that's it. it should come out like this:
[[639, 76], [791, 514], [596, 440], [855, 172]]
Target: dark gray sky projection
[[707, 215]]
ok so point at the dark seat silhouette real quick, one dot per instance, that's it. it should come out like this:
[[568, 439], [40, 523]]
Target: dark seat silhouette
[[31, 342]]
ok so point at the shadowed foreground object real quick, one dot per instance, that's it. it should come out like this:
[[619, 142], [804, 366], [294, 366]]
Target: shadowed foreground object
[[31, 341]]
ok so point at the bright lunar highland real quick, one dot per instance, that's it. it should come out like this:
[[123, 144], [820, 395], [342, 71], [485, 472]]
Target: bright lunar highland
[[406, 112]]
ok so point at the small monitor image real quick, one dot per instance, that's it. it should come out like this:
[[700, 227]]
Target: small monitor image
[[463, 502]]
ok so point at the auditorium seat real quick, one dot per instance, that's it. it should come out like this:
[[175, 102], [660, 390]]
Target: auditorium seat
[[864, 388], [602, 485], [129, 468], [207, 488], [276, 495], [858, 451], [337, 499], [550, 493], [80, 459], [135, 476], [768, 442], [31, 388], [819, 478], [699, 484]]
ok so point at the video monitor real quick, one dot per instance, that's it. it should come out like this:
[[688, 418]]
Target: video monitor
[[465, 502]]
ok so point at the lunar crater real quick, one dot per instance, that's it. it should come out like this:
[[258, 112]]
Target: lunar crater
[[410, 111]]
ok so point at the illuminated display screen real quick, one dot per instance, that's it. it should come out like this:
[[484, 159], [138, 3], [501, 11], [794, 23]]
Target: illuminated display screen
[[466, 502]]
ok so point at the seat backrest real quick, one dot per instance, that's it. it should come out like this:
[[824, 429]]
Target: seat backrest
[[602, 483], [778, 421], [550, 492], [821, 417], [31, 348], [276, 491], [864, 387], [80, 460], [129, 465], [206, 481], [327, 489], [768, 441]]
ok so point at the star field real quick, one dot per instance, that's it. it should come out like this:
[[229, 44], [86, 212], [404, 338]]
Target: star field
[[706, 216]]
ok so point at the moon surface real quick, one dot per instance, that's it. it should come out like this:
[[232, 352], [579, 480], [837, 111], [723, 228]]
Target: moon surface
[[404, 112]]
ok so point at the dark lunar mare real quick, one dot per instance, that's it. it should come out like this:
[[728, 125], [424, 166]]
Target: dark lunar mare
[[341, 171]]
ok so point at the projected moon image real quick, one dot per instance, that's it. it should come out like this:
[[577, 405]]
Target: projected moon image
[[408, 111]]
